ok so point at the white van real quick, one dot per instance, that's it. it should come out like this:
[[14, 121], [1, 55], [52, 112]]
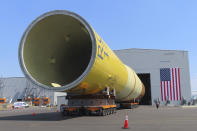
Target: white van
[[20, 105]]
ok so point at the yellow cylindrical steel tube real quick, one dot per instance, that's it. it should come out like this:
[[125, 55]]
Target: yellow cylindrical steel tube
[[62, 52]]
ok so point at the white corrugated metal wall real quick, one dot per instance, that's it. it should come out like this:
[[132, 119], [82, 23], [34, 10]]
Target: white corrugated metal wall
[[151, 61], [17, 87]]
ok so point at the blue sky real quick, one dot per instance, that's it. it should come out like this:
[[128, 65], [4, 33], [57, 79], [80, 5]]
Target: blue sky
[[151, 24]]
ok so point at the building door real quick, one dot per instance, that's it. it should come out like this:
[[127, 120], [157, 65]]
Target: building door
[[145, 78]]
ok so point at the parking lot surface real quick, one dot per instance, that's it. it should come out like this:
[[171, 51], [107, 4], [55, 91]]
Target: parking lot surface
[[143, 118]]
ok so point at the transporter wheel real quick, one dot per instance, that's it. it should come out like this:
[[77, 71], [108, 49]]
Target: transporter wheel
[[90, 113], [87, 113], [114, 110], [69, 114], [77, 112], [64, 113], [108, 112], [80, 113], [103, 112], [100, 112], [111, 111]]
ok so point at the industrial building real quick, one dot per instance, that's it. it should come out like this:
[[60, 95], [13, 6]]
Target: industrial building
[[165, 74], [17, 88]]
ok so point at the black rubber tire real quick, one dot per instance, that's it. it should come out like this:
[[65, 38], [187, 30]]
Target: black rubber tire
[[88, 113], [64, 113], [114, 110], [70, 114], [108, 112], [111, 110], [100, 113], [104, 112]]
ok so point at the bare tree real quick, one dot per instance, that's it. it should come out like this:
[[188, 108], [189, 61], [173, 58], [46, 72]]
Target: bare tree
[[31, 90]]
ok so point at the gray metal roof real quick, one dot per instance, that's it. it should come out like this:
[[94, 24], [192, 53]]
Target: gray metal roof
[[150, 50]]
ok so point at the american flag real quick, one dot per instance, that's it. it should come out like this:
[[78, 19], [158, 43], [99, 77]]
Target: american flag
[[170, 84]]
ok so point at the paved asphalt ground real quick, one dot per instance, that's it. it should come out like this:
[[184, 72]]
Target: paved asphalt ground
[[143, 118]]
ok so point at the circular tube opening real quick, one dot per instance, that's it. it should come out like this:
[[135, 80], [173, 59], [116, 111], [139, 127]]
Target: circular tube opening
[[57, 50]]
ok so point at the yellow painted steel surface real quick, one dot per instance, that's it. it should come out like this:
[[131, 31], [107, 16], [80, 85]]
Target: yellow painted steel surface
[[46, 68], [109, 71]]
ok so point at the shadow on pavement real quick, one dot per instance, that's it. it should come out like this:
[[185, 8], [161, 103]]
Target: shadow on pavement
[[52, 116]]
